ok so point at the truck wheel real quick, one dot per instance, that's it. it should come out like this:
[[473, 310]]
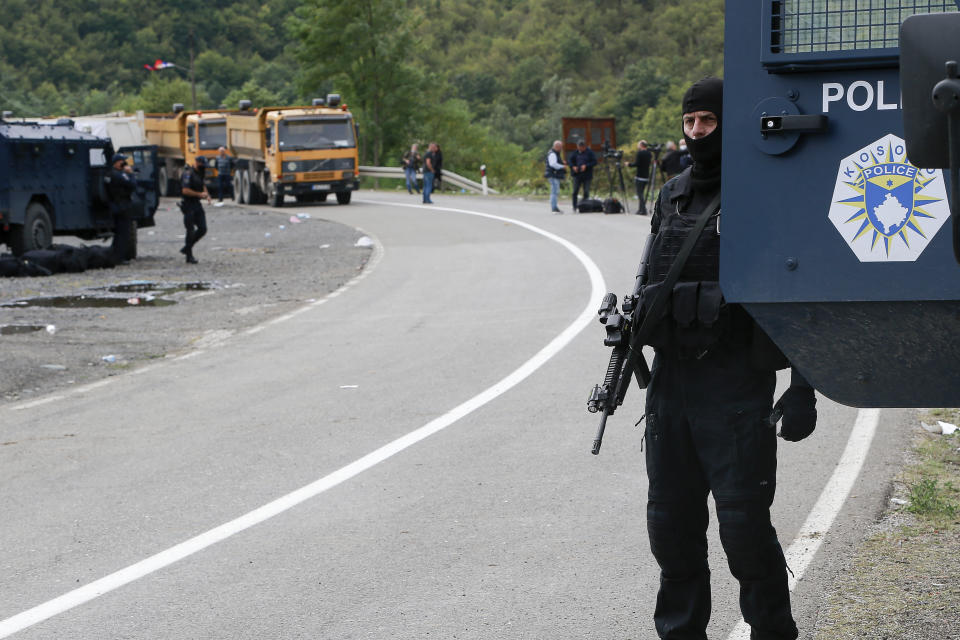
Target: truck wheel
[[343, 197], [164, 184], [246, 189], [322, 196], [36, 232], [132, 241], [238, 186]]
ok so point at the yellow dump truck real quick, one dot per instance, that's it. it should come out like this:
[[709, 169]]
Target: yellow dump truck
[[180, 137], [306, 152]]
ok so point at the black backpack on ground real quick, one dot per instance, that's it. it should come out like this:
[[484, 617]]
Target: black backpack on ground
[[612, 205]]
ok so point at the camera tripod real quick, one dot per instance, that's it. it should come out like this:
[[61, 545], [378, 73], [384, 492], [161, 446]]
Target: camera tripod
[[617, 156]]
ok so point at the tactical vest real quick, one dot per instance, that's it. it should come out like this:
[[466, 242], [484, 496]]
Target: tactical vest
[[697, 317]]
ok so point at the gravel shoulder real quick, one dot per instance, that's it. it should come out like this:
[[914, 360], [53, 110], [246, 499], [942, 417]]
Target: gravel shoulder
[[256, 263], [903, 581]]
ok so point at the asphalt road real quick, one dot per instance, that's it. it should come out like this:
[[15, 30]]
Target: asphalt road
[[492, 522]]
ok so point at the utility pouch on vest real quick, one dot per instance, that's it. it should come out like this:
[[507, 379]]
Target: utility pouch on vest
[[700, 316]]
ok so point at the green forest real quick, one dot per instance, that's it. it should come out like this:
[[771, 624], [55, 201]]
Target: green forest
[[489, 79]]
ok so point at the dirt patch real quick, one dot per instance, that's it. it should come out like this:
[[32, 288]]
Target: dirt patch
[[255, 263]]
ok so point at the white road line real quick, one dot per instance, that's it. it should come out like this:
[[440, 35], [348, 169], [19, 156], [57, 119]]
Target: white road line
[[828, 505], [193, 545]]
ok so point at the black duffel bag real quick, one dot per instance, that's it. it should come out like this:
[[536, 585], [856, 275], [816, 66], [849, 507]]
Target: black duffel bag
[[48, 259], [100, 257], [72, 259], [590, 205]]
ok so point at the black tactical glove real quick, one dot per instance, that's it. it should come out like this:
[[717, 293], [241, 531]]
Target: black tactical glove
[[798, 406]]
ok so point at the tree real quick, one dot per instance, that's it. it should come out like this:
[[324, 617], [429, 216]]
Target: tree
[[362, 46]]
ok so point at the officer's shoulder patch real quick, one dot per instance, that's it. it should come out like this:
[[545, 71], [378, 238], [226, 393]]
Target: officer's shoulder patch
[[886, 208]]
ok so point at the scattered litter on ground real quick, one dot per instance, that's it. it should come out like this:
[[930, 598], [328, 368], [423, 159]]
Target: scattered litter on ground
[[51, 329], [282, 227], [267, 234], [364, 241], [218, 204], [133, 300], [899, 501], [304, 216], [325, 246], [295, 220], [349, 386], [941, 428], [53, 367], [111, 358]]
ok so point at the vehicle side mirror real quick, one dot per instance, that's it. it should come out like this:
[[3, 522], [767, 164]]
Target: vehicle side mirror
[[930, 94]]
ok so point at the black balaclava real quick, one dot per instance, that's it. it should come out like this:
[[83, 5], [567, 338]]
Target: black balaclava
[[705, 95]]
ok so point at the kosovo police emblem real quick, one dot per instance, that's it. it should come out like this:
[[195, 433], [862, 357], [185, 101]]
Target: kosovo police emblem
[[887, 209]]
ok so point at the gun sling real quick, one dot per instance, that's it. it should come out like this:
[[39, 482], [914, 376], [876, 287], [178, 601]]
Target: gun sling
[[657, 307]]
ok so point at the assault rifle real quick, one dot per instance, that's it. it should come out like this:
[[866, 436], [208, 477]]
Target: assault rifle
[[626, 360], [627, 332]]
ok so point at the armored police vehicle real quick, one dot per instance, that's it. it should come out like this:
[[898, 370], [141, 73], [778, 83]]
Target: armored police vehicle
[[835, 234], [836, 230], [51, 183]]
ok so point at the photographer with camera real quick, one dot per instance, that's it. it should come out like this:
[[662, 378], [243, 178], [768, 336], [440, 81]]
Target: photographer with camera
[[641, 162], [582, 161]]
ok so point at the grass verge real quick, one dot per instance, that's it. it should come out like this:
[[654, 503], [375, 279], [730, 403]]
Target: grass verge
[[904, 581]]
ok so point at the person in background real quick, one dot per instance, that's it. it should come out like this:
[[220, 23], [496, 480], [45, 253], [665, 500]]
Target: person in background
[[121, 186], [192, 188], [641, 162], [411, 164], [438, 175], [581, 164], [670, 162], [430, 169], [555, 172], [224, 165]]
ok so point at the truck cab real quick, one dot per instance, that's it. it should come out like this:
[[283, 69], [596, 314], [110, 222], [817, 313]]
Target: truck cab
[[181, 136], [307, 152]]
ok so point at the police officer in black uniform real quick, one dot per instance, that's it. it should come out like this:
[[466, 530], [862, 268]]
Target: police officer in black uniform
[[709, 419], [192, 188], [121, 185]]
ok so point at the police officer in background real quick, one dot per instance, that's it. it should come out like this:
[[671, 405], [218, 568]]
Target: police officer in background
[[709, 418], [642, 162], [193, 188], [121, 185]]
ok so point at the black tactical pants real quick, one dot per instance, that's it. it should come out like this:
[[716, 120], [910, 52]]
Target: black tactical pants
[[120, 247], [195, 222], [707, 431]]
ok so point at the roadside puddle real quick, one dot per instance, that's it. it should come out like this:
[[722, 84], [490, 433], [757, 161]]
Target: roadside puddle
[[144, 294], [17, 329]]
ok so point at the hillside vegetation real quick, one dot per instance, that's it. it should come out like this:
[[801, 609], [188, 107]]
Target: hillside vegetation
[[490, 79]]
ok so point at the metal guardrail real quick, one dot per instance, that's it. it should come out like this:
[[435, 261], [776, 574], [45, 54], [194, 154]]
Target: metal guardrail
[[448, 177]]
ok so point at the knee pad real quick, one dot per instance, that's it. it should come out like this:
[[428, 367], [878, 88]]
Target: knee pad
[[678, 538], [749, 540]]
